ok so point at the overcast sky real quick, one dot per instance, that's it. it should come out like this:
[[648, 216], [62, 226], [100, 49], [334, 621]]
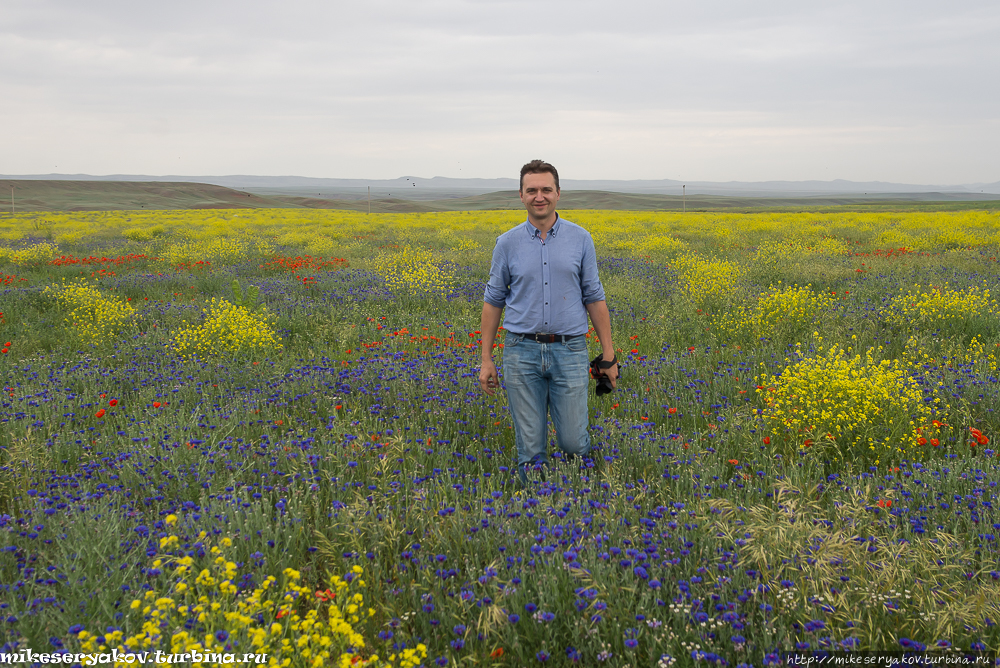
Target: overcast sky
[[713, 90]]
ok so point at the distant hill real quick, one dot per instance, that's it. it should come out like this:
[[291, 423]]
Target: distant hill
[[38, 195], [59, 195], [438, 187]]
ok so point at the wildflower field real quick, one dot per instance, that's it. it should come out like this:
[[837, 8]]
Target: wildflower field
[[260, 432]]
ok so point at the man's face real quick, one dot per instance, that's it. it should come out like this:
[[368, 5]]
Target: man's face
[[539, 195]]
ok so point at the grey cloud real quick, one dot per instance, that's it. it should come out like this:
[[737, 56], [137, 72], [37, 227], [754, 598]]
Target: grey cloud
[[729, 89]]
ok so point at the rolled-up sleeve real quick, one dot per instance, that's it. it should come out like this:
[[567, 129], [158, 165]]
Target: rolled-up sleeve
[[498, 286], [590, 282]]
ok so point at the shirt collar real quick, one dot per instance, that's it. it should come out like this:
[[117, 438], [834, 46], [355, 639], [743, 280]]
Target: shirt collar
[[533, 231]]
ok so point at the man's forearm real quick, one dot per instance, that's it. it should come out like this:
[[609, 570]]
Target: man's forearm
[[489, 323], [601, 319]]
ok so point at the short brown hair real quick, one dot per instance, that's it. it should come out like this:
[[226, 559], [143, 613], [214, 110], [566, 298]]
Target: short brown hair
[[538, 167]]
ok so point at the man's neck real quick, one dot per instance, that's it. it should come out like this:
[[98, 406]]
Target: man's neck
[[545, 225]]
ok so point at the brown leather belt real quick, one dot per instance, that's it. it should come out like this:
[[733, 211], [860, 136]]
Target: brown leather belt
[[542, 337]]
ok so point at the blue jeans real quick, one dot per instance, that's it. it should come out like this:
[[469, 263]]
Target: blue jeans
[[541, 379]]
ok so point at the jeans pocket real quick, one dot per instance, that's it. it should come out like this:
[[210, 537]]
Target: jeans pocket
[[512, 340], [577, 345]]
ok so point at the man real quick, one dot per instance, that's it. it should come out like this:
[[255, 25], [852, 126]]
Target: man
[[544, 272]]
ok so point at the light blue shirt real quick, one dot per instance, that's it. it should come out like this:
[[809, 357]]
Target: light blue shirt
[[544, 285]]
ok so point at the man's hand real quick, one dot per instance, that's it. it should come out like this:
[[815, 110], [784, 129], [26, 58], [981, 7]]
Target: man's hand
[[601, 318], [489, 381], [612, 373]]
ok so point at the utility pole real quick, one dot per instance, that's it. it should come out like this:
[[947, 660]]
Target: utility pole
[[684, 198], [369, 200]]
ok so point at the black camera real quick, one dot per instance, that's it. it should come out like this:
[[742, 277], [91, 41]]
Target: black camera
[[597, 372]]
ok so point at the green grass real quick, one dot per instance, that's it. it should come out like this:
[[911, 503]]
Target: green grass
[[359, 443]]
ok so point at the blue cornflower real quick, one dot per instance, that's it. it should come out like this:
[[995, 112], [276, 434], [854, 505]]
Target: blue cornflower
[[459, 630], [631, 643], [76, 628], [640, 572], [221, 635], [701, 617], [547, 616], [513, 618], [654, 584], [457, 644], [530, 607], [542, 656], [738, 640]]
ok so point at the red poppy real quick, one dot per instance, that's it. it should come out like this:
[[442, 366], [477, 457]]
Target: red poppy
[[922, 441], [156, 404], [767, 440], [671, 410], [935, 442], [884, 503], [497, 653], [734, 462], [113, 403], [99, 413]]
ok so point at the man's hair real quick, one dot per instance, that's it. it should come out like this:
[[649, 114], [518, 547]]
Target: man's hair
[[538, 167]]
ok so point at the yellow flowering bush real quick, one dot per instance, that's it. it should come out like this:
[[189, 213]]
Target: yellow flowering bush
[[201, 613], [144, 233], [324, 246], [860, 407], [413, 269], [781, 310], [465, 244], [92, 315], [707, 282], [228, 329], [940, 307], [661, 243], [36, 254], [217, 250]]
